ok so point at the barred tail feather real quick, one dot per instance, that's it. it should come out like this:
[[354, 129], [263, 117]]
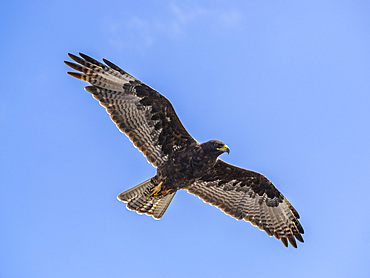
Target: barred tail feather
[[138, 199], [162, 205], [141, 189]]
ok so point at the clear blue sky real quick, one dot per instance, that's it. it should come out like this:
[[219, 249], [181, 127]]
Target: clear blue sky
[[286, 84]]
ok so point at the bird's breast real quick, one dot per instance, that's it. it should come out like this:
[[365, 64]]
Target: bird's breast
[[186, 167]]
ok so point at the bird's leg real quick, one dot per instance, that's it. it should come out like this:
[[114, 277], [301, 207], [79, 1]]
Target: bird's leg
[[155, 190]]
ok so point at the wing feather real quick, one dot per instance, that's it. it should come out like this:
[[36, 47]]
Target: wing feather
[[248, 195], [144, 115]]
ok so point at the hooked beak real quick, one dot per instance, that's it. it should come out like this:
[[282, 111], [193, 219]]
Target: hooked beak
[[225, 148]]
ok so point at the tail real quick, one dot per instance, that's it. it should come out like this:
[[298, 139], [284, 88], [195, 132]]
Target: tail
[[138, 198]]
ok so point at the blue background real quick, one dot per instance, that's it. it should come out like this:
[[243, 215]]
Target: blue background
[[284, 83]]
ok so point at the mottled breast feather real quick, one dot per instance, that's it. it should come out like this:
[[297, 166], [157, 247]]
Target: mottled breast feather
[[144, 115], [248, 195]]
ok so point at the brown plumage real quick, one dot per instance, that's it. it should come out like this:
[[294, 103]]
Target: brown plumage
[[151, 123]]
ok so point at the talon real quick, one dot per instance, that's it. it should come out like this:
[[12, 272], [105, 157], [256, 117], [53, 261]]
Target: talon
[[155, 190]]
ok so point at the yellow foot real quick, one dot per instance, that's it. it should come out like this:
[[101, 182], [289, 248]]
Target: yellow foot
[[155, 190]]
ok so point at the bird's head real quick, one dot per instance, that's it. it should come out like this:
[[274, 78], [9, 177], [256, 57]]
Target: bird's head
[[215, 147]]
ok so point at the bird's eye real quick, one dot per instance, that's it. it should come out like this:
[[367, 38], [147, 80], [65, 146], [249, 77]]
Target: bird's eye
[[218, 145]]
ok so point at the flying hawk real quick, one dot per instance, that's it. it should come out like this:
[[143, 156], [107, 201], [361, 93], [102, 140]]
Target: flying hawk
[[151, 123]]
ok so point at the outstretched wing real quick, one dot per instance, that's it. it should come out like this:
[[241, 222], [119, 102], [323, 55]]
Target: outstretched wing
[[139, 111], [248, 195]]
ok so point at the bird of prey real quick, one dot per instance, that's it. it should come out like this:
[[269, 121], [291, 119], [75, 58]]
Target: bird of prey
[[151, 123]]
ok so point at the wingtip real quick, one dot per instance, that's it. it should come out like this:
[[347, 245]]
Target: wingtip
[[75, 74], [109, 63], [92, 90], [299, 237], [114, 66], [72, 56], [76, 59], [86, 57], [292, 241], [70, 64], [284, 241]]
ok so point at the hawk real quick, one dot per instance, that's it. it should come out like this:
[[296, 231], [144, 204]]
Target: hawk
[[151, 123]]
